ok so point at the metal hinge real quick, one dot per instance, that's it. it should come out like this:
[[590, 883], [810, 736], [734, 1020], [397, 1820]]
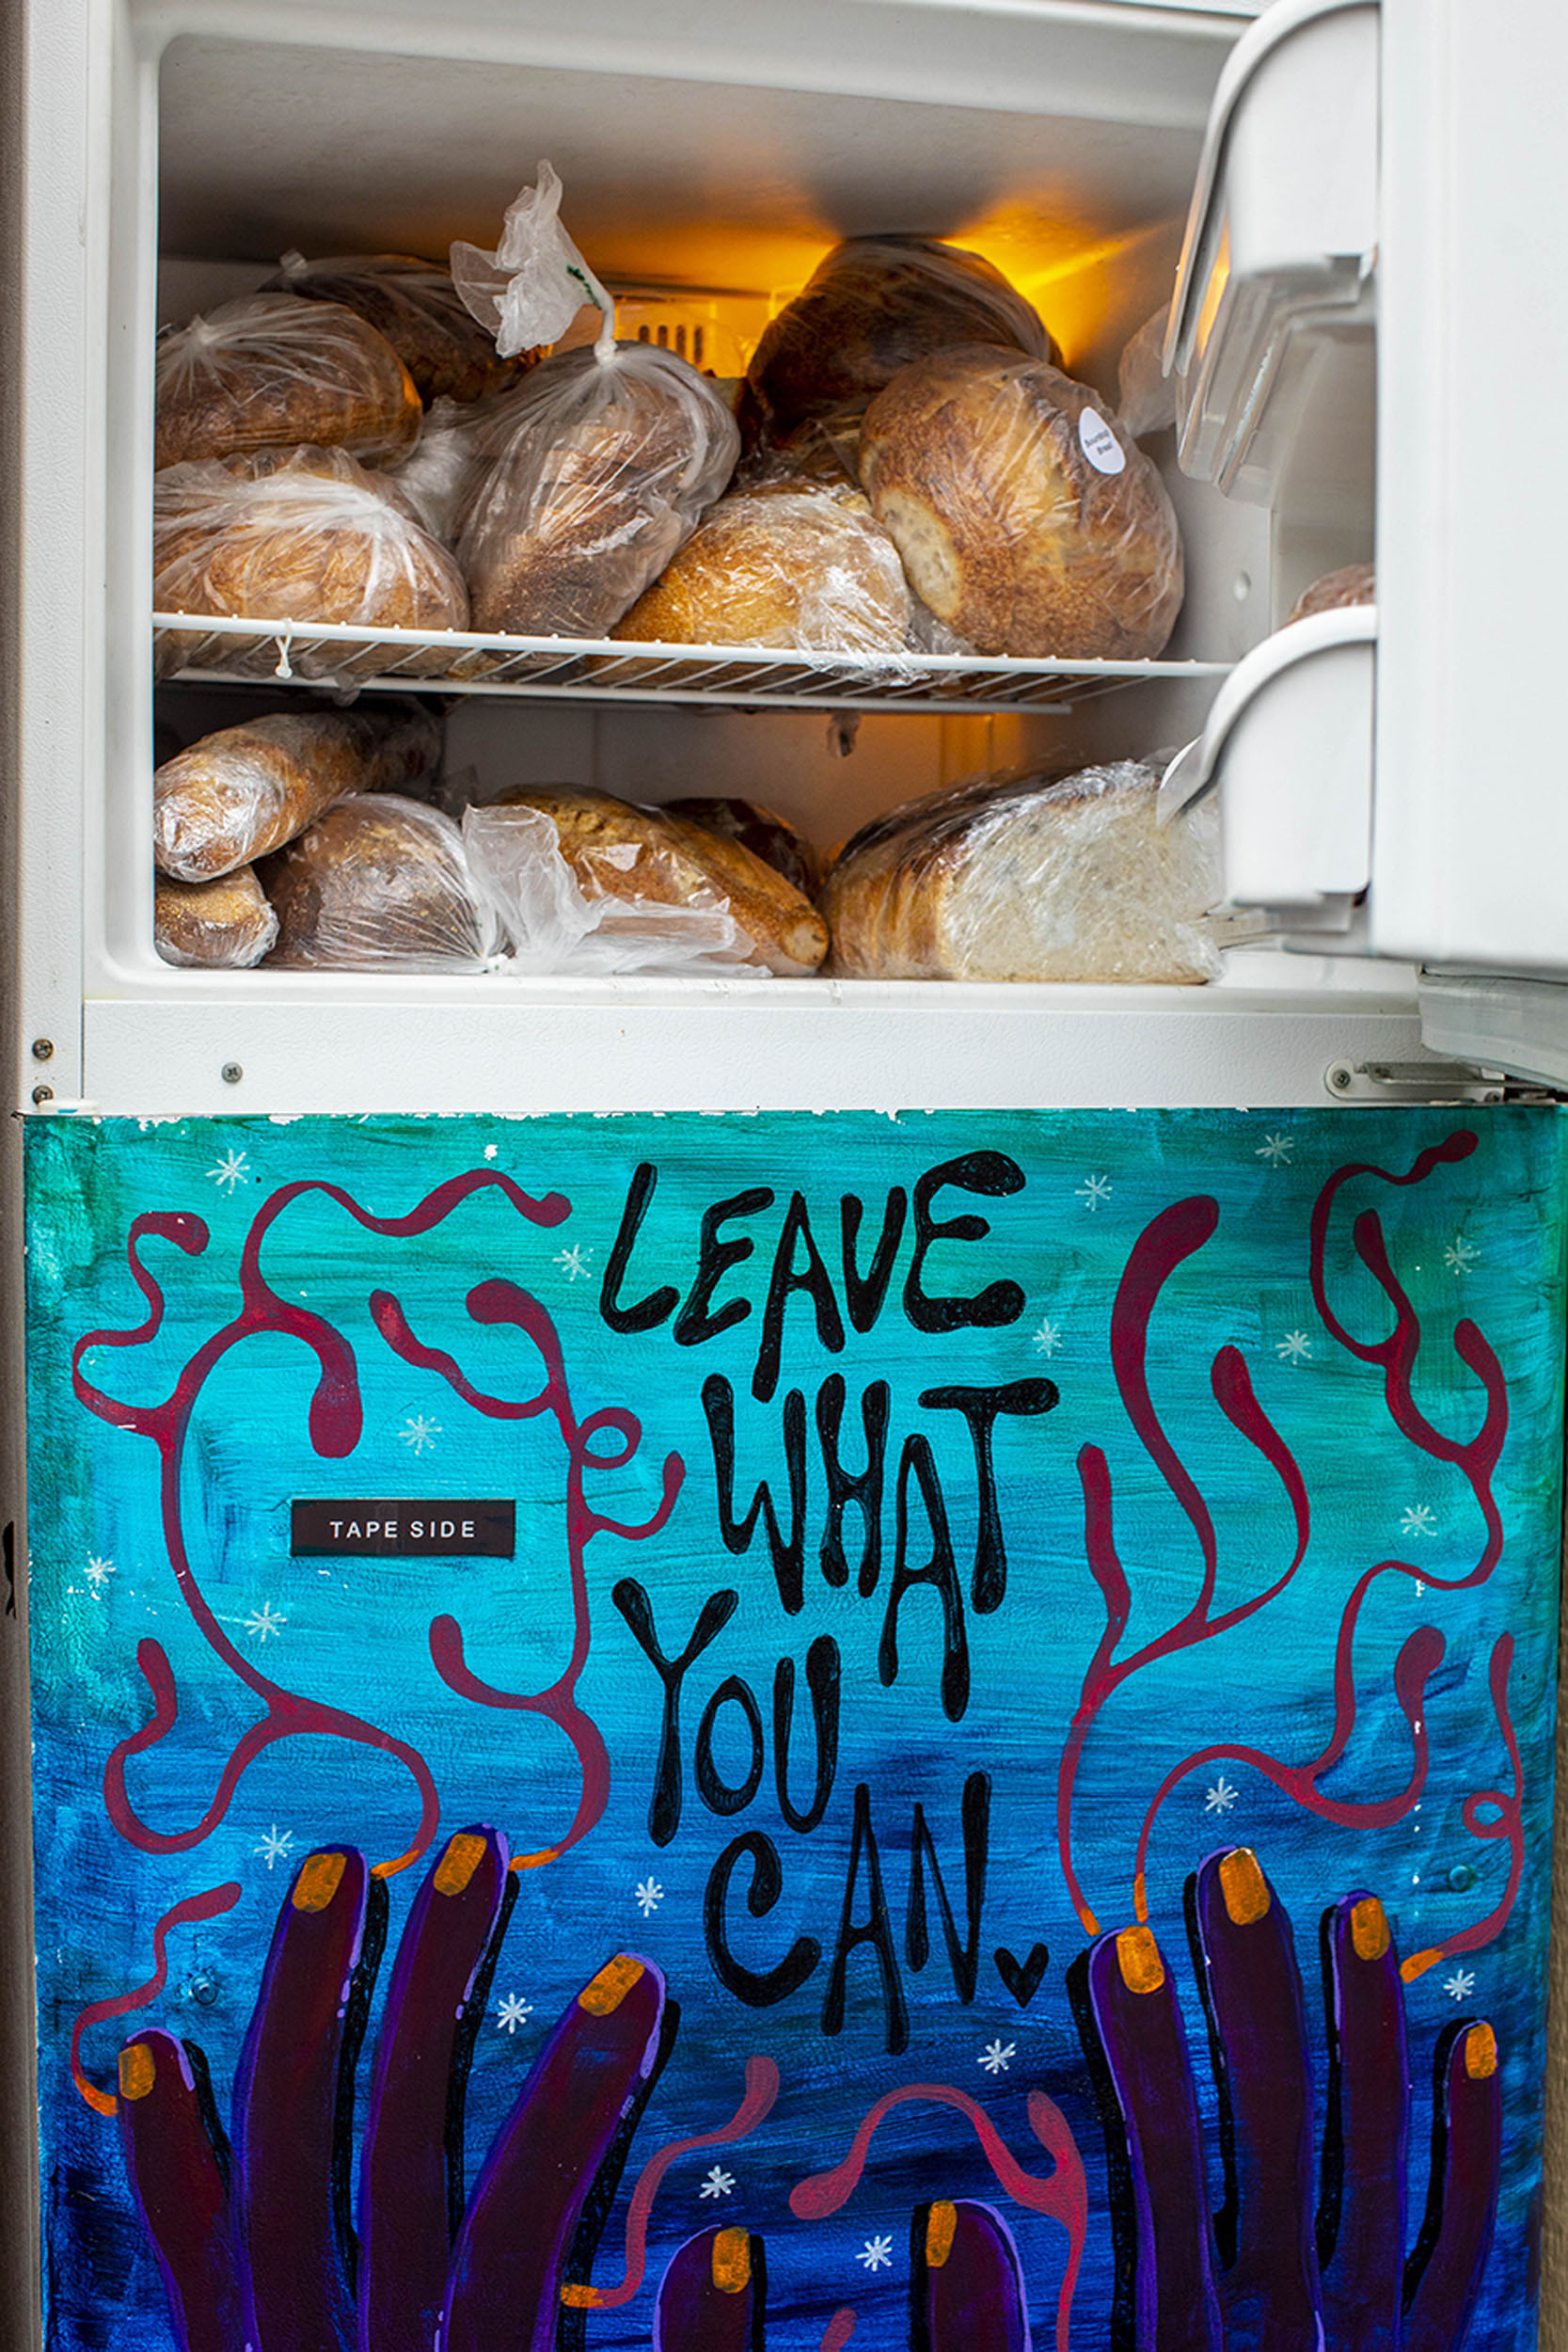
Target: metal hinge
[[1430, 1081]]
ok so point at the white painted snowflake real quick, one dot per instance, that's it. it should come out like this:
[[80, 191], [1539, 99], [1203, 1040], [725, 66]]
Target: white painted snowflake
[[489, 1151], [997, 2056], [275, 1846], [1093, 1190], [1419, 1519], [513, 2012], [1460, 1255], [717, 2182], [420, 1433], [265, 1624], [877, 2253], [1460, 1986], [1048, 1339], [99, 1571], [1275, 1150], [649, 1896], [574, 1264], [229, 1171], [1294, 1348], [1420, 1588], [1220, 1796]]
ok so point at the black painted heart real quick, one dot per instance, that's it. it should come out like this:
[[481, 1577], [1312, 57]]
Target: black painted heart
[[1021, 1977]]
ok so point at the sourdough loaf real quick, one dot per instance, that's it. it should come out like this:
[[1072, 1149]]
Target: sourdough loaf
[[1354, 583], [247, 789], [221, 925], [271, 372], [419, 310], [378, 881], [762, 830]]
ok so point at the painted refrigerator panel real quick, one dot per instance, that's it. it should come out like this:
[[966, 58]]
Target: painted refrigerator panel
[[707, 1732]]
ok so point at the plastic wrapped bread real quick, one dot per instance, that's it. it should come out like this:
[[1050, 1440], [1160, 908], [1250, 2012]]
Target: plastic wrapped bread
[[1022, 878], [762, 830], [664, 861], [271, 372], [379, 881], [419, 310], [247, 789], [302, 534], [608, 459], [216, 926], [789, 563], [1354, 583], [870, 308], [1027, 517]]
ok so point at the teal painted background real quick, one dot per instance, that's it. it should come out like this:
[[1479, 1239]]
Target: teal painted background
[[1475, 1241]]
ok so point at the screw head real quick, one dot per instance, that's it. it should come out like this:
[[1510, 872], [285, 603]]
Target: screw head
[[44, 1048], [232, 1074], [43, 1094], [1340, 1077]]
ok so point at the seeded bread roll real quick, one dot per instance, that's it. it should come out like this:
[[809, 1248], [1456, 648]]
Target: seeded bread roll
[[1018, 879], [767, 834], [622, 851], [302, 534], [419, 310], [247, 789], [223, 925], [1028, 521], [870, 308], [378, 881], [272, 371]]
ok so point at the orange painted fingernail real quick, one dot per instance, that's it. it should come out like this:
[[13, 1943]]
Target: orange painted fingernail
[[603, 1994], [940, 2225], [320, 1877], [1244, 1888], [1369, 1929], [1480, 2053], [732, 2260], [458, 1864], [1138, 1957], [138, 2070]]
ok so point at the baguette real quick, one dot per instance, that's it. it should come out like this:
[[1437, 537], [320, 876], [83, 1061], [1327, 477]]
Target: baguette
[[247, 789]]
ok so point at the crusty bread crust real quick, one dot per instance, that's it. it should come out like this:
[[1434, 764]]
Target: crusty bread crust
[[419, 312], [247, 789], [225, 924], [377, 880], [272, 371]]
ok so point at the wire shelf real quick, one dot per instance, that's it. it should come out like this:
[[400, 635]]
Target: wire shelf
[[210, 650]]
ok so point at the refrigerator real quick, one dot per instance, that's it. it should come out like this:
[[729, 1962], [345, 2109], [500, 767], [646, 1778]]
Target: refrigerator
[[719, 1662]]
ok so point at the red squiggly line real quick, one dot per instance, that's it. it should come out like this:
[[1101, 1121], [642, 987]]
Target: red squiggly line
[[210, 1904], [762, 2089], [1063, 2197], [334, 1424], [838, 2331], [502, 1302]]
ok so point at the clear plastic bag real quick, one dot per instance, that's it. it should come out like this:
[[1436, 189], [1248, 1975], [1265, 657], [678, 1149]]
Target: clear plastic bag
[[301, 535], [1146, 395], [1028, 519], [223, 926], [1354, 583], [271, 372], [238, 794], [415, 305], [383, 882], [530, 289], [559, 918], [1026, 878]]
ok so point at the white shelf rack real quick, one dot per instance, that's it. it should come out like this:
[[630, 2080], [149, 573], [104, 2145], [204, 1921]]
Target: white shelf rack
[[465, 661]]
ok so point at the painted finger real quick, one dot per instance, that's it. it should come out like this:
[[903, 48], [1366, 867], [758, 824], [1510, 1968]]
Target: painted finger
[[178, 2177], [1466, 2151], [1134, 2007], [1361, 2210], [966, 2289], [411, 2182], [294, 2103], [505, 2289], [712, 2296], [1251, 1987]]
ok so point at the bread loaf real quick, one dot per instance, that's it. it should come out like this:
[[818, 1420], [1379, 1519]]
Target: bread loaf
[[789, 563], [620, 851], [1021, 879], [220, 925], [272, 371], [302, 534], [1027, 518], [419, 310], [381, 882], [1355, 583], [247, 789], [870, 308], [767, 836]]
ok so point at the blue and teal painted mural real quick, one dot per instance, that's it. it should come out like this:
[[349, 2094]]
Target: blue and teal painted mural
[[707, 1731]]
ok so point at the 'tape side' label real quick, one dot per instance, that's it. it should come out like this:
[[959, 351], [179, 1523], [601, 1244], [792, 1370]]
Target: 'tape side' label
[[382, 1524]]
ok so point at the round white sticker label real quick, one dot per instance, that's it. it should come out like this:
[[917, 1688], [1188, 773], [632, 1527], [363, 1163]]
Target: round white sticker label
[[1099, 443]]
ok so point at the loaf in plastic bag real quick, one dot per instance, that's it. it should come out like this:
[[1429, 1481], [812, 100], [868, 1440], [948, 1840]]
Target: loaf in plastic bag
[[383, 882], [1146, 395], [870, 308], [271, 372], [651, 891], [789, 563], [415, 305], [1025, 878], [1028, 518], [247, 789], [303, 534], [762, 830], [1354, 583], [225, 924]]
